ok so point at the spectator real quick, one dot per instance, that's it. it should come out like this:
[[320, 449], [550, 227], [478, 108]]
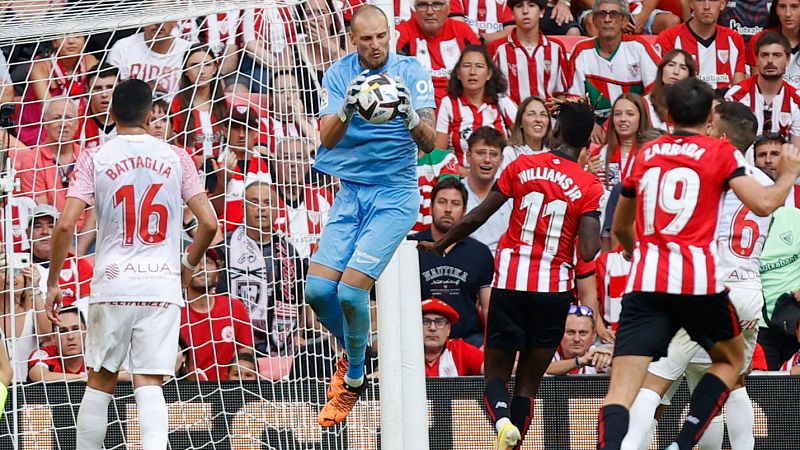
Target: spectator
[[628, 119], [63, 361], [558, 19], [199, 107], [530, 131], [244, 367], [269, 36], [304, 207], [532, 63], [287, 114], [475, 97], [576, 354], [242, 159], [435, 40], [767, 153], [264, 272], [611, 63], [75, 277], [96, 125], [644, 18], [63, 72], [485, 155], [718, 51], [432, 168], [404, 10], [675, 66], [216, 327], [462, 277], [774, 101], [160, 126], [746, 18], [445, 357], [154, 56], [784, 18], [489, 20]]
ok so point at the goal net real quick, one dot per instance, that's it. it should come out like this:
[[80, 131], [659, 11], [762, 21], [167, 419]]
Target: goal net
[[236, 84]]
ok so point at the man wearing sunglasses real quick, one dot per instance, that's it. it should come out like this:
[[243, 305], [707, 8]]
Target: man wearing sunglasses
[[576, 355]]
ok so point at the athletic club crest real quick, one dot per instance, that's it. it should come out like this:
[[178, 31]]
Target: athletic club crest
[[722, 56], [547, 66], [513, 69], [787, 237], [634, 69]]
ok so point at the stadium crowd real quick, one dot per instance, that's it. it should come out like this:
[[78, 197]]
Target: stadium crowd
[[240, 92]]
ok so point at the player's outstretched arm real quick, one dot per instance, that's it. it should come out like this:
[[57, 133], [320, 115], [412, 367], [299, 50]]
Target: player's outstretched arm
[[622, 226], [589, 232], [206, 229], [60, 244], [763, 200], [468, 223]]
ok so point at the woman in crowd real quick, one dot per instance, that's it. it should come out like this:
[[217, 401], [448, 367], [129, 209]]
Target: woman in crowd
[[675, 66], [474, 99], [62, 71], [530, 132], [784, 17], [199, 107]]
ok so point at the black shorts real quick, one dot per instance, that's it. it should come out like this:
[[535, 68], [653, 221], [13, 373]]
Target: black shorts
[[519, 320], [649, 321]]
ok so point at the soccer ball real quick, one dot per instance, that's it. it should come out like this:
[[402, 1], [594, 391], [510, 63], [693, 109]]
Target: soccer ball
[[378, 99]]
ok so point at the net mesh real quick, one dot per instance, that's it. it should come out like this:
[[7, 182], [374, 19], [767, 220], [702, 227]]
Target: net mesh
[[236, 85]]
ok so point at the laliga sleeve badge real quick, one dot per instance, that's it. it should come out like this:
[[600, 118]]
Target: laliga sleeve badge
[[323, 99]]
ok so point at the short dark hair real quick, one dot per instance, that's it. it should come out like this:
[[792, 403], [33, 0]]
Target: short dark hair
[[542, 4], [102, 70], [491, 136], [73, 310], [689, 102], [450, 183], [245, 355], [738, 123], [575, 123], [131, 102], [773, 37]]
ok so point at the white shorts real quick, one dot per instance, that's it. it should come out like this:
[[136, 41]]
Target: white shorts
[[683, 350], [149, 332], [694, 372]]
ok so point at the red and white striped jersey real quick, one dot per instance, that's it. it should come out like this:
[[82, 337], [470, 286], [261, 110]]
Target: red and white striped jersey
[[90, 134], [21, 207], [741, 235], [138, 185], [785, 106], [440, 54], [301, 223], [538, 71], [612, 276], [717, 62], [458, 117], [404, 9], [272, 129], [551, 193], [431, 168], [74, 279], [487, 16], [792, 75], [793, 199], [616, 164], [632, 68], [680, 180], [256, 167], [790, 363]]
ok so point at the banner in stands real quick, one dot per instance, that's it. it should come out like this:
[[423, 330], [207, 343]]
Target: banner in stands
[[232, 416]]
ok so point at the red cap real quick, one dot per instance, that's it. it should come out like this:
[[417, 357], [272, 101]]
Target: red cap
[[436, 306]]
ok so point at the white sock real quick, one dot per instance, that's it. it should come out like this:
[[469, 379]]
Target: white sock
[[501, 422], [152, 417], [740, 418], [648, 441], [712, 438], [641, 418], [353, 383], [93, 419]]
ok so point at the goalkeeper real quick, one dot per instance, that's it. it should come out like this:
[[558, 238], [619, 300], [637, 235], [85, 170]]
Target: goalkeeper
[[378, 201]]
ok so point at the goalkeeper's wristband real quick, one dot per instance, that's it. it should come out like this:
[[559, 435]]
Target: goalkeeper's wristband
[[3, 397], [185, 262], [344, 114]]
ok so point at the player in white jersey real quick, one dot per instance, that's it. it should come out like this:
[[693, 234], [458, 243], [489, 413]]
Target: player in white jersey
[[137, 184], [741, 235]]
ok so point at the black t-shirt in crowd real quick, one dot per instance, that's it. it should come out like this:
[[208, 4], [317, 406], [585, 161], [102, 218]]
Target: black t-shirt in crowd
[[456, 279]]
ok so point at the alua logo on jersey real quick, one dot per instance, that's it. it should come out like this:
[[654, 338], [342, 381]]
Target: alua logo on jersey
[[113, 270]]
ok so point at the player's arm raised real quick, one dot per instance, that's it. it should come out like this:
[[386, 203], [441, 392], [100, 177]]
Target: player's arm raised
[[61, 241], [763, 200]]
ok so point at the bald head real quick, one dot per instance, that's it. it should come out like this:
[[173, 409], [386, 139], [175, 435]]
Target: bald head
[[370, 13], [369, 33]]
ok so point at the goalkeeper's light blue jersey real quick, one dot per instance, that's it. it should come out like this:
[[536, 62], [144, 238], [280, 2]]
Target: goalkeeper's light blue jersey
[[373, 154]]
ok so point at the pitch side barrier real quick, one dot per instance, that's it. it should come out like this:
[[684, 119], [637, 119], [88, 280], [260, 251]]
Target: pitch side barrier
[[283, 415]]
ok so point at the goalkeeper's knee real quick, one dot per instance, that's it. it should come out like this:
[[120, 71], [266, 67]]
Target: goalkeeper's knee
[[321, 295]]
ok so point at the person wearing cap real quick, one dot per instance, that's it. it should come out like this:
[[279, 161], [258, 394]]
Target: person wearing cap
[[445, 357], [75, 277], [577, 354], [243, 158], [214, 326]]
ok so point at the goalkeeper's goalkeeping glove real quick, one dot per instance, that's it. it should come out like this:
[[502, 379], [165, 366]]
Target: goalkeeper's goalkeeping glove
[[349, 105], [406, 108]]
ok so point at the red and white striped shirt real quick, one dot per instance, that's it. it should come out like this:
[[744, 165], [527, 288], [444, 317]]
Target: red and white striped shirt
[[438, 54], [272, 129], [487, 16], [717, 62], [680, 180], [404, 9], [612, 276], [458, 117], [89, 133], [538, 71], [302, 223], [785, 108], [793, 199], [551, 193]]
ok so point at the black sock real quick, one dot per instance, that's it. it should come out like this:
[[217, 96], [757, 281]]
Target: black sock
[[521, 414], [497, 398], [612, 426], [709, 396]]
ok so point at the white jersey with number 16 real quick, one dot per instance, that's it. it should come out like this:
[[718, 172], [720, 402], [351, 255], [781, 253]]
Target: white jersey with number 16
[[138, 184]]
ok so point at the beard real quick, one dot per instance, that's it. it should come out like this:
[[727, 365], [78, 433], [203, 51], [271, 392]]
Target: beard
[[442, 226], [772, 77]]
